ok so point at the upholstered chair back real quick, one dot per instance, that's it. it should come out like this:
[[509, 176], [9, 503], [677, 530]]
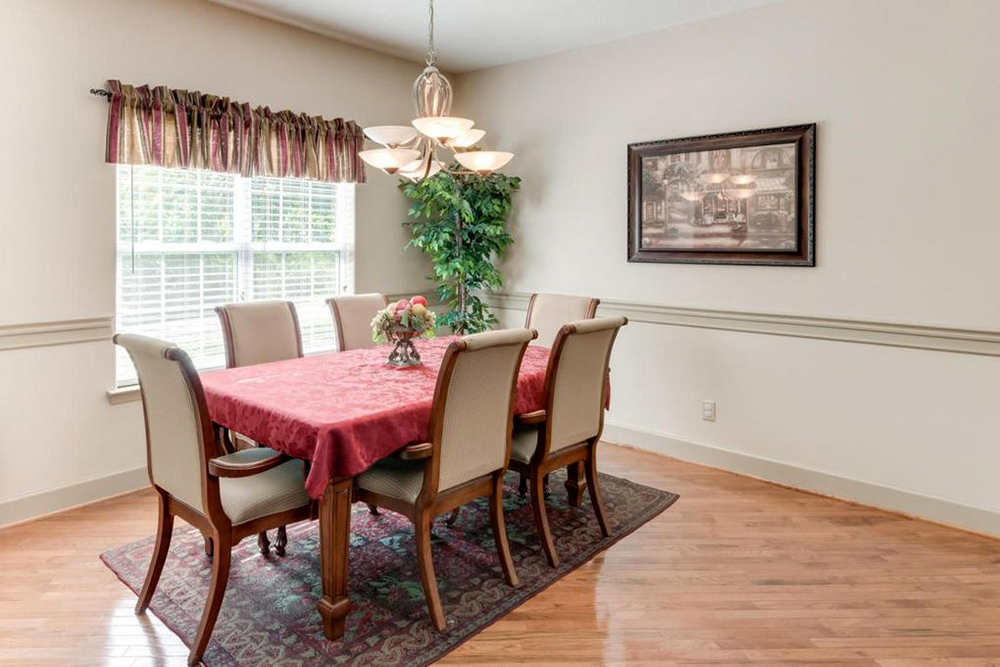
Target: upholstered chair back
[[174, 428], [548, 312], [257, 332], [478, 409], [581, 354], [352, 318]]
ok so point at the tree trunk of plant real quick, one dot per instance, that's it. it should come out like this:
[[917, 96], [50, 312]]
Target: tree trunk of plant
[[460, 287]]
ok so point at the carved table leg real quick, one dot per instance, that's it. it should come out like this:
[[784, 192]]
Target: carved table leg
[[263, 543], [335, 539], [280, 541], [576, 483]]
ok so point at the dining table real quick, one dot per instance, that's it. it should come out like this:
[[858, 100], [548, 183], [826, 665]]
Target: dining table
[[341, 412]]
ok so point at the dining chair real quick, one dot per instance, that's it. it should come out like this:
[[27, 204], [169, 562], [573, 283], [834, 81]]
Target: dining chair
[[568, 429], [352, 318], [548, 312], [225, 497], [258, 332], [467, 454]]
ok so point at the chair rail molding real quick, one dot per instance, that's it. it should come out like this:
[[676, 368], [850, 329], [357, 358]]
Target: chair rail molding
[[63, 332], [869, 332]]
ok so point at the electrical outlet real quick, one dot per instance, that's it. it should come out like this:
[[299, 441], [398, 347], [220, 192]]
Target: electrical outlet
[[708, 411]]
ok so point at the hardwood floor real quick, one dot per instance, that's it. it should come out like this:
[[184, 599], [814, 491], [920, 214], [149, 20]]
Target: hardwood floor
[[737, 571]]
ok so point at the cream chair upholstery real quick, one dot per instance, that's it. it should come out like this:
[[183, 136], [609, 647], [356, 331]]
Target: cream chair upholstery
[[393, 478], [276, 490], [469, 448], [257, 332], [571, 424], [174, 431], [578, 391], [548, 312], [352, 318], [577, 412], [227, 497], [476, 418]]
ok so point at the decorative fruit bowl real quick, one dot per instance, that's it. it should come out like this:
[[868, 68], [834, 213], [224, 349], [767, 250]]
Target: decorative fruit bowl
[[399, 323]]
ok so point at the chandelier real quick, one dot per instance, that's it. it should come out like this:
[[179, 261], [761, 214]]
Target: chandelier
[[413, 151]]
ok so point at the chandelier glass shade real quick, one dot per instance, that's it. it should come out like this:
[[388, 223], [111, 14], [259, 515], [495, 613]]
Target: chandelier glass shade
[[413, 151], [483, 162], [389, 160], [420, 169], [443, 128], [468, 139], [391, 136]]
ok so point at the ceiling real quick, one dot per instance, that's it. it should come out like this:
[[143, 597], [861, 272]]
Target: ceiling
[[473, 34]]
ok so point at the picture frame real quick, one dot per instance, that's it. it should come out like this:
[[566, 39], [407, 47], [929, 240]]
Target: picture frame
[[737, 198]]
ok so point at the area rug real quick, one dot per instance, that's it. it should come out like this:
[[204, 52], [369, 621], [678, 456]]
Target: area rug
[[269, 613]]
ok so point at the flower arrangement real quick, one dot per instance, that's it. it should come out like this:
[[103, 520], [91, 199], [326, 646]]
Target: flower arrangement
[[399, 323]]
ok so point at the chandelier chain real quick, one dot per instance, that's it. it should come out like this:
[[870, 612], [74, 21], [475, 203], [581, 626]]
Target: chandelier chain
[[431, 54]]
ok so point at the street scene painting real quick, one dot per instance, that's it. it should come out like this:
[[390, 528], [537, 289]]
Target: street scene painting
[[739, 198]]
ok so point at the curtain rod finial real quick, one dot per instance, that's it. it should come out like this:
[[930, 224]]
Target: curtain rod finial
[[101, 92]]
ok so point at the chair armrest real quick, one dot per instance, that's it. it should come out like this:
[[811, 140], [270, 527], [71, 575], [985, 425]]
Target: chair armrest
[[415, 452], [536, 417], [219, 468]]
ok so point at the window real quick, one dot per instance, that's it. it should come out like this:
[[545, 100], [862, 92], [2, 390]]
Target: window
[[189, 241]]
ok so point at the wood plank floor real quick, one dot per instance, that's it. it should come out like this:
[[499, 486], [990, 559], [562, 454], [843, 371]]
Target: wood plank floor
[[738, 571]]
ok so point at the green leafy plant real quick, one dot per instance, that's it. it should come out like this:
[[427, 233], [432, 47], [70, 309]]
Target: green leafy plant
[[461, 222]]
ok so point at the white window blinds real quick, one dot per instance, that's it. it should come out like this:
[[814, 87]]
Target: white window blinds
[[189, 241]]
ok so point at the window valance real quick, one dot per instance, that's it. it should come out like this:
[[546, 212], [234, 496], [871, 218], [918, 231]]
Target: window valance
[[189, 130]]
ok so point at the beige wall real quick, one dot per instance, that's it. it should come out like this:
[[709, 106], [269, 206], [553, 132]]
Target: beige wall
[[58, 248], [906, 98]]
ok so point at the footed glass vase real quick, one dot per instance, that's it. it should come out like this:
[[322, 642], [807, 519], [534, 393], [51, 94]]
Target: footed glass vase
[[404, 352]]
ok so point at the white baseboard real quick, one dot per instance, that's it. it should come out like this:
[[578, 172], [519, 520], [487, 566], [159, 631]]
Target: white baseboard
[[941, 510], [74, 495]]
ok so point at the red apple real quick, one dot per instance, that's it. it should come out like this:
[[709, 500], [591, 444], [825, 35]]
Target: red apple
[[418, 299]]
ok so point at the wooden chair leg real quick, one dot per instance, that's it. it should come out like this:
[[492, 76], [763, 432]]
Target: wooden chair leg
[[372, 509], [216, 591], [595, 493], [500, 531], [263, 543], [164, 531], [574, 483], [542, 519], [422, 539], [208, 546], [545, 487], [280, 541], [522, 486], [453, 517]]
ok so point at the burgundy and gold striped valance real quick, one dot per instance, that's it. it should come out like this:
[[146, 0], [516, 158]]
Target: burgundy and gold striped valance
[[189, 130]]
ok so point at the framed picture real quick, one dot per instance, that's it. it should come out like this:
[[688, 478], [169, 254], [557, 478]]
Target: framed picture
[[740, 198]]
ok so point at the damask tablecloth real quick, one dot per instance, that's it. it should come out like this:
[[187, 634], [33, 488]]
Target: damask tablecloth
[[343, 411]]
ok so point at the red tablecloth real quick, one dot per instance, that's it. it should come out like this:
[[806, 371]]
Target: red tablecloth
[[344, 410]]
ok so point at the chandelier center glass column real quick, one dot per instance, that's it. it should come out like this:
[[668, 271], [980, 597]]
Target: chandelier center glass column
[[413, 151]]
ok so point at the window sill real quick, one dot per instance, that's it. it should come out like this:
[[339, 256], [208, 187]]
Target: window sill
[[124, 395]]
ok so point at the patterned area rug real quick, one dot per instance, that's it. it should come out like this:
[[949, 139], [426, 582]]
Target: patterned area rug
[[269, 613]]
